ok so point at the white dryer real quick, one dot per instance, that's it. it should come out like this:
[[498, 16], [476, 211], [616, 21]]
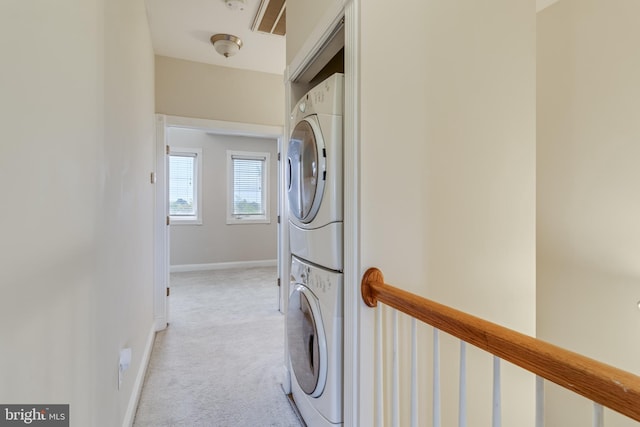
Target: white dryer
[[314, 178], [314, 336]]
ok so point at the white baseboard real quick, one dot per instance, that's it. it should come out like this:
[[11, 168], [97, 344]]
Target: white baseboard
[[160, 323], [222, 265], [137, 386]]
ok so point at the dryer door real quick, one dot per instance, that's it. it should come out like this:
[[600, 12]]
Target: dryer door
[[306, 164], [307, 342]]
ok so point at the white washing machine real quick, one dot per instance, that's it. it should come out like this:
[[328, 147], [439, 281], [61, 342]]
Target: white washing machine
[[314, 333], [314, 178]]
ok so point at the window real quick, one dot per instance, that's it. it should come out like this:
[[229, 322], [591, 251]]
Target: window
[[248, 191], [185, 185]]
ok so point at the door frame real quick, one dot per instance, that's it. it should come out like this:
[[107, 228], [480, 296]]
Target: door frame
[[161, 229], [359, 320]]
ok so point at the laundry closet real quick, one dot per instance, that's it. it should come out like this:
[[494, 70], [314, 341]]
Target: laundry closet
[[313, 178]]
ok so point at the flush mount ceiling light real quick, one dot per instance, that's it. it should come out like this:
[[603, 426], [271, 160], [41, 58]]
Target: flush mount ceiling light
[[226, 44]]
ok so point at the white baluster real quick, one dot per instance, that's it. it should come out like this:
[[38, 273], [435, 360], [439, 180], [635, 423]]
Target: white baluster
[[395, 392], [497, 411], [462, 404], [436, 378], [539, 401], [598, 415], [414, 372], [380, 370]]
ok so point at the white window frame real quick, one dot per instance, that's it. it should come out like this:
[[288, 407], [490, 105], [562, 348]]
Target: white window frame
[[248, 219], [197, 202]]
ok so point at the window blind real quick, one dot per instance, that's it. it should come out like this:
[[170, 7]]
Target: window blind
[[248, 186]]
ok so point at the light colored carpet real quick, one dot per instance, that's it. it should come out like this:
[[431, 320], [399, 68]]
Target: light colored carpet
[[220, 361]]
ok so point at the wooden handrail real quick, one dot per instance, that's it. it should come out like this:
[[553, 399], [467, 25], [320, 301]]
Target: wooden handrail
[[609, 386]]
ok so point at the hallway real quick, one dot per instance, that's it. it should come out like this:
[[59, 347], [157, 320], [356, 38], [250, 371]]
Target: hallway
[[220, 361]]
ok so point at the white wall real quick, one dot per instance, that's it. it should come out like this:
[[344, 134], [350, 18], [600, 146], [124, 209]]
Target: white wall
[[215, 241], [448, 171], [302, 18], [588, 186], [75, 157], [204, 91]]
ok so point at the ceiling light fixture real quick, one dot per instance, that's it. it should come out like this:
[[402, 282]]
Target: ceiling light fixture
[[226, 44]]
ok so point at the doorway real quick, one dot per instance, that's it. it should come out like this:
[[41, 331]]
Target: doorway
[[216, 241]]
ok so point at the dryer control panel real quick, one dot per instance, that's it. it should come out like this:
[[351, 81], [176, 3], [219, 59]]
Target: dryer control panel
[[325, 98], [316, 279], [319, 282]]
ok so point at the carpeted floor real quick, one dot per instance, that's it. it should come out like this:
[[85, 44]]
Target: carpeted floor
[[220, 361]]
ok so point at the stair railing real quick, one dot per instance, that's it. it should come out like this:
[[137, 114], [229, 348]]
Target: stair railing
[[604, 385]]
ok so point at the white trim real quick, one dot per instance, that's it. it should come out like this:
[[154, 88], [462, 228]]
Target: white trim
[[284, 254], [316, 40], [161, 234], [359, 320], [129, 416], [282, 219], [224, 127], [180, 268]]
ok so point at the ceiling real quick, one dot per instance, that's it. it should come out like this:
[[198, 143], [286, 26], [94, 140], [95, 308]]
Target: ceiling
[[183, 29]]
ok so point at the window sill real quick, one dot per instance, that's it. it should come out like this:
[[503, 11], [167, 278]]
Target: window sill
[[185, 221], [240, 220]]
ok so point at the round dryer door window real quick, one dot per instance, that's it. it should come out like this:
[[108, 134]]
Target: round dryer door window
[[307, 343], [306, 163]]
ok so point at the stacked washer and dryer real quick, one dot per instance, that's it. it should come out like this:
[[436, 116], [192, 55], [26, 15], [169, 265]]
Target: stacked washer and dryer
[[314, 316]]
